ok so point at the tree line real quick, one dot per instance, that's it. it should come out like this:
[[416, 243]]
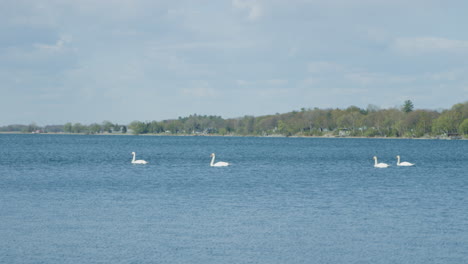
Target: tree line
[[404, 121], [76, 128]]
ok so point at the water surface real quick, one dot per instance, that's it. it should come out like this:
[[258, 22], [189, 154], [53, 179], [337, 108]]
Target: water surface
[[78, 199]]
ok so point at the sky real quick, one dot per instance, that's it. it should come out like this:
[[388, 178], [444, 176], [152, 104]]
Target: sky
[[88, 61]]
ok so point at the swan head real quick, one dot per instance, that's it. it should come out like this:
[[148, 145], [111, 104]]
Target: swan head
[[398, 156], [212, 155], [133, 153], [374, 157]]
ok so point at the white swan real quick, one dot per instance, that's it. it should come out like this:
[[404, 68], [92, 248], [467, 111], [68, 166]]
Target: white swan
[[217, 164], [138, 161], [380, 165], [404, 163]]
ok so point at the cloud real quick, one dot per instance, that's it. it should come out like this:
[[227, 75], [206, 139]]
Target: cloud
[[296, 51], [368, 78], [326, 72], [420, 45], [459, 74], [253, 7], [58, 46]]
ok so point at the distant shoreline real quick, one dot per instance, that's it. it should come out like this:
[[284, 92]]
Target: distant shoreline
[[213, 135]]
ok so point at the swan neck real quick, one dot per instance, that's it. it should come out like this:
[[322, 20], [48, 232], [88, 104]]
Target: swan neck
[[133, 160], [375, 161], [398, 159], [212, 160]]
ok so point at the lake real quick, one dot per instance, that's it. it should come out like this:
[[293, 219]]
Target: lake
[[78, 199]]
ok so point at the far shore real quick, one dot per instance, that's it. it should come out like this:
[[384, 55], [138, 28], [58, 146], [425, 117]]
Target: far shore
[[230, 135]]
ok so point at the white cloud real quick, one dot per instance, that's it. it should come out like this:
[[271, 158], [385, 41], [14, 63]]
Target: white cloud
[[58, 46], [419, 45], [368, 78], [324, 70], [253, 7], [451, 75], [299, 52]]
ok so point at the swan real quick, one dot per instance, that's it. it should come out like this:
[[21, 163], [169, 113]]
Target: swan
[[380, 165], [138, 161], [404, 163], [217, 164]]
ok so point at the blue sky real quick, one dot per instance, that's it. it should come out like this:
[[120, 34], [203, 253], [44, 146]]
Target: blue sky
[[123, 60]]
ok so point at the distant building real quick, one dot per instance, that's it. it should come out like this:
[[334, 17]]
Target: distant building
[[344, 132], [454, 136]]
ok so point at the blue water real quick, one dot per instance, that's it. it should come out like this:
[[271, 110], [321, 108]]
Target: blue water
[[78, 199]]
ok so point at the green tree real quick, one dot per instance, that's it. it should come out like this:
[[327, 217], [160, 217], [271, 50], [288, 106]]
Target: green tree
[[282, 127], [265, 125], [155, 127], [419, 122], [317, 120], [408, 106], [463, 129], [68, 128], [94, 128], [392, 118], [79, 128], [31, 128], [174, 126], [374, 121], [138, 127], [350, 119], [107, 126], [372, 108], [116, 128], [444, 124]]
